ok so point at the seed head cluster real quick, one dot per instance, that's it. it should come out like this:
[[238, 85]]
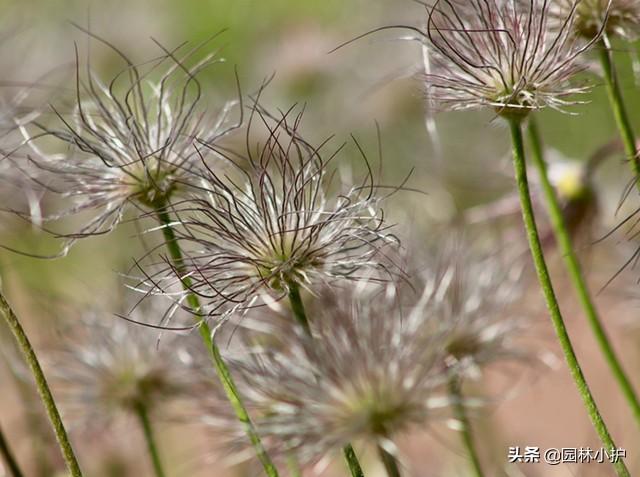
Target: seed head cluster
[[379, 359], [246, 224]]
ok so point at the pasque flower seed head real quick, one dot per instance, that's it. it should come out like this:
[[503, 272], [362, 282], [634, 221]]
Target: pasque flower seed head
[[130, 139], [502, 55], [280, 222]]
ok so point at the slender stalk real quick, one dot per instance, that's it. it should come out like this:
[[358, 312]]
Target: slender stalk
[[390, 463], [577, 277], [9, 458], [618, 107], [297, 306], [550, 296], [352, 461], [224, 374], [35, 423], [43, 387], [152, 447], [460, 412]]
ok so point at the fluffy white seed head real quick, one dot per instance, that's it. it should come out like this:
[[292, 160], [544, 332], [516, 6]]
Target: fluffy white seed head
[[107, 367], [470, 297], [129, 138], [372, 371], [501, 54], [281, 220]]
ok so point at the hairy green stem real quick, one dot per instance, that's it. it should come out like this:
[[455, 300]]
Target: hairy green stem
[[43, 387], [9, 458], [577, 277], [143, 416], [390, 463], [550, 296], [460, 413], [619, 109], [297, 307], [230, 388]]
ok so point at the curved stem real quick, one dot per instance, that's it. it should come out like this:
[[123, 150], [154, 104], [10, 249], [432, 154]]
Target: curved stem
[[152, 447], [550, 296], [230, 388], [577, 277], [618, 107], [9, 458], [390, 463], [43, 387], [297, 307], [460, 412]]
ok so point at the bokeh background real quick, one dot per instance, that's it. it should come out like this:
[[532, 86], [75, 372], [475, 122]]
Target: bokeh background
[[370, 84]]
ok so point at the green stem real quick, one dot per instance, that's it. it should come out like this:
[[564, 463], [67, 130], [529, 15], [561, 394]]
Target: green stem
[[230, 388], [577, 277], [460, 412], [550, 296], [35, 423], [9, 458], [42, 385], [297, 307], [152, 447], [619, 109], [390, 463], [352, 461]]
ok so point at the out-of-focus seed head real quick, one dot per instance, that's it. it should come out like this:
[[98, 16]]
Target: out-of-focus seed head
[[107, 366], [372, 370], [502, 55], [617, 18], [281, 221], [130, 138], [469, 297]]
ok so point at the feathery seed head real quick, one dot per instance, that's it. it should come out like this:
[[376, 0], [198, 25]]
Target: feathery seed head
[[131, 139], [502, 55], [468, 298], [110, 366], [280, 222], [372, 370]]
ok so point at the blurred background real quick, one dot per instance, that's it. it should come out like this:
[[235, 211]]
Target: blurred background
[[371, 84]]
